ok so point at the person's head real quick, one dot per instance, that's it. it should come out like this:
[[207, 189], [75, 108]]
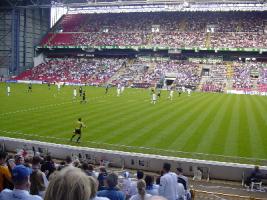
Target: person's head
[[68, 184], [3, 156], [141, 188], [149, 180], [140, 174], [112, 180], [166, 167], [84, 166], [19, 160], [76, 163], [68, 160], [91, 167], [257, 168], [21, 177], [102, 169], [48, 158], [179, 170], [79, 119]]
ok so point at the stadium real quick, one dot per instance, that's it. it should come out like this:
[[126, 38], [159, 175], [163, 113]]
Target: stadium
[[132, 85]]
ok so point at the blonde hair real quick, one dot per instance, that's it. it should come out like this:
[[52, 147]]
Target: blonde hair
[[68, 184], [93, 186], [141, 187]]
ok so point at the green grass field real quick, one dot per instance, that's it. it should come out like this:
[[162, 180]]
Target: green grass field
[[205, 126]]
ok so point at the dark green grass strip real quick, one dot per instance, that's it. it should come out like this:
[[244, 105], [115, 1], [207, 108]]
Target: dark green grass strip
[[156, 121], [244, 138], [220, 134], [211, 127], [173, 140]]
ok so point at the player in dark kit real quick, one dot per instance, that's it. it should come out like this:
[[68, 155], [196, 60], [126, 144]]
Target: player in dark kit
[[80, 90], [48, 85], [159, 93], [179, 91], [78, 130], [107, 86], [83, 97], [30, 87]]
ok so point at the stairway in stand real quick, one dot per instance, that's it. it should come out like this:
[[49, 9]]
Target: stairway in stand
[[121, 71], [203, 78], [207, 41], [230, 73]]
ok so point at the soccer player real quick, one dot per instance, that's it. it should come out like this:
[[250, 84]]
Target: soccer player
[[30, 87], [8, 90], [80, 90], [48, 85], [179, 91], [78, 130], [159, 93], [58, 86], [171, 94], [154, 98], [83, 98], [74, 93], [188, 92], [118, 90], [122, 88], [107, 86]]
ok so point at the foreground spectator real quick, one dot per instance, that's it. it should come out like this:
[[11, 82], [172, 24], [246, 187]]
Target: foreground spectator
[[69, 184], [142, 195], [101, 177], [168, 183], [126, 184], [48, 167], [112, 192], [151, 188], [5, 175], [255, 176], [94, 186], [38, 179], [21, 180], [181, 178], [139, 176]]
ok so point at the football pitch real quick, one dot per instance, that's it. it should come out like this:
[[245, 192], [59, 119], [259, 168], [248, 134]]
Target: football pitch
[[204, 125]]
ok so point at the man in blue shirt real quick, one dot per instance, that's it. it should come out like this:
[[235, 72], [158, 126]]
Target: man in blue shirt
[[112, 192], [21, 181]]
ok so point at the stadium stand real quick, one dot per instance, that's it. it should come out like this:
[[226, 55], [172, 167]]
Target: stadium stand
[[158, 29]]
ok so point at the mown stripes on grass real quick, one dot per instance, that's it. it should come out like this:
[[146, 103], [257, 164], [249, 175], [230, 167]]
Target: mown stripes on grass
[[217, 124]]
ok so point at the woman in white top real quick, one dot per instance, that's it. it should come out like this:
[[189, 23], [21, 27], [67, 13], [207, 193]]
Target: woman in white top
[[141, 188]]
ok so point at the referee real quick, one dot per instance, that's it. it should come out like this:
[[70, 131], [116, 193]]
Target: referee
[[78, 130]]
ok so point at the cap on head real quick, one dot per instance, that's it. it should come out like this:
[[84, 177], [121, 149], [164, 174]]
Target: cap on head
[[20, 173]]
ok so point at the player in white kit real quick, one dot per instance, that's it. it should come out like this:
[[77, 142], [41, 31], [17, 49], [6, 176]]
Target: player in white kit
[[188, 92], [118, 90], [154, 98], [171, 94], [74, 93], [8, 90]]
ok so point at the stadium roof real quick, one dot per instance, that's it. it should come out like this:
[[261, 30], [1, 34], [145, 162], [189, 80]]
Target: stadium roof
[[78, 3], [170, 5]]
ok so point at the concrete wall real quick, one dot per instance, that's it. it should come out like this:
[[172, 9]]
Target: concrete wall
[[153, 163], [20, 31]]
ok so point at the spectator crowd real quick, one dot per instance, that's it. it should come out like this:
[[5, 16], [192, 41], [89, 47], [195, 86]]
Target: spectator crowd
[[172, 30], [35, 177]]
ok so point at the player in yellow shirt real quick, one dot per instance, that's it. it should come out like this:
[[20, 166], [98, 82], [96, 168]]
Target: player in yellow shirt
[[78, 130]]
